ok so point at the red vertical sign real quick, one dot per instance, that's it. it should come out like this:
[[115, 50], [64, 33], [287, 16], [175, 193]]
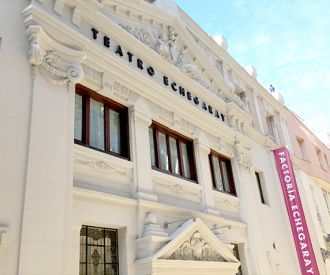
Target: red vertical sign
[[304, 248]]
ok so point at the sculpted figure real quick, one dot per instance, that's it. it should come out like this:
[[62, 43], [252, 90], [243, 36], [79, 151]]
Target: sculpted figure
[[162, 46], [185, 66], [172, 43]]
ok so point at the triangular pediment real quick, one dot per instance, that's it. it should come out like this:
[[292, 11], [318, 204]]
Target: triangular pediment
[[167, 35], [194, 241], [193, 249], [196, 248]]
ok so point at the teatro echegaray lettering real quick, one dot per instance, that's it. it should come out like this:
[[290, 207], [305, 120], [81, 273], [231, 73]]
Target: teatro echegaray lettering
[[118, 50]]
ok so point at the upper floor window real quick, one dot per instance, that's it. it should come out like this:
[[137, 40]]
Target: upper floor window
[[301, 145], [171, 152], [319, 157], [272, 129], [222, 173], [98, 251], [100, 123], [261, 187], [326, 161]]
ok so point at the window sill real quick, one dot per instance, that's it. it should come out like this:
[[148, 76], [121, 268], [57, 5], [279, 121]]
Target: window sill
[[174, 175], [175, 183], [101, 151], [226, 201], [99, 164]]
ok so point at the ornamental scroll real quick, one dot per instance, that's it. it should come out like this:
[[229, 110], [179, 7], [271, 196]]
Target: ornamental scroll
[[59, 64]]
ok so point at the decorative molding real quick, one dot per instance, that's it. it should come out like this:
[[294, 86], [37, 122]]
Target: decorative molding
[[220, 145], [76, 16], [242, 155], [141, 119], [196, 249], [99, 165], [93, 77], [188, 127], [164, 42], [176, 188], [121, 91], [58, 63], [151, 227], [59, 6], [153, 238], [325, 254], [161, 114], [226, 202]]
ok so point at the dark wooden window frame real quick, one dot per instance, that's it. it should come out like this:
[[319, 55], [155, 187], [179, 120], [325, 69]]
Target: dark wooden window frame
[[179, 140], [229, 173], [102, 246], [87, 94]]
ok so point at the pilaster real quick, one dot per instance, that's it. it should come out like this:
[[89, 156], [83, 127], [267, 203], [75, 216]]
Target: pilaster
[[47, 211], [256, 104], [140, 120], [202, 152]]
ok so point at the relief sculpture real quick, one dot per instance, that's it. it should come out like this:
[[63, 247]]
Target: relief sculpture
[[196, 249]]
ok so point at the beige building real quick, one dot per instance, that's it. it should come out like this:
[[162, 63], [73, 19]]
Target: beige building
[[132, 143]]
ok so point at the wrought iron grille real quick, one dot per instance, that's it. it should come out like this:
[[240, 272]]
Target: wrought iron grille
[[98, 251]]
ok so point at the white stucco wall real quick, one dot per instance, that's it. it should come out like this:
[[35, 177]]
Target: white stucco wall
[[50, 186]]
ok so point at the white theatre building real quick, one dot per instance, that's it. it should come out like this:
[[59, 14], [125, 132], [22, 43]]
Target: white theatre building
[[132, 143]]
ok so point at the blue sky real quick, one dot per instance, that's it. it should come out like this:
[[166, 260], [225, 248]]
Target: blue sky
[[287, 41]]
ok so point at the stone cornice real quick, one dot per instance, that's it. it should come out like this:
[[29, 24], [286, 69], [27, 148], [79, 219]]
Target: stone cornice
[[141, 84]]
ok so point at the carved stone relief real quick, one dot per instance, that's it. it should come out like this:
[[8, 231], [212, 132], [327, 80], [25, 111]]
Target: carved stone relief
[[196, 249], [162, 114], [93, 77], [101, 166], [185, 125], [59, 64], [164, 42], [229, 205], [242, 155]]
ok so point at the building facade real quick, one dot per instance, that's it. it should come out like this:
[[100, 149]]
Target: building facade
[[310, 158], [133, 143]]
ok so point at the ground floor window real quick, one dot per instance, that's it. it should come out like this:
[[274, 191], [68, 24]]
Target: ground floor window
[[98, 251]]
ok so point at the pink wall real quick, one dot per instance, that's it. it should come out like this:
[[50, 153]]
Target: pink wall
[[311, 164]]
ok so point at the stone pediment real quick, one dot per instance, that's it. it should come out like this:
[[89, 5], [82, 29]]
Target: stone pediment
[[192, 247], [170, 35], [167, 43], [196, 249], [167, 35]]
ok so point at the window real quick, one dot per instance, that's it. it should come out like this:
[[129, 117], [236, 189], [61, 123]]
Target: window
[[100, 123], [261, 187], [221, 173], [301, 145], [272, 129], [319, 156], [172, 153], [326, 161], [98, 251]]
